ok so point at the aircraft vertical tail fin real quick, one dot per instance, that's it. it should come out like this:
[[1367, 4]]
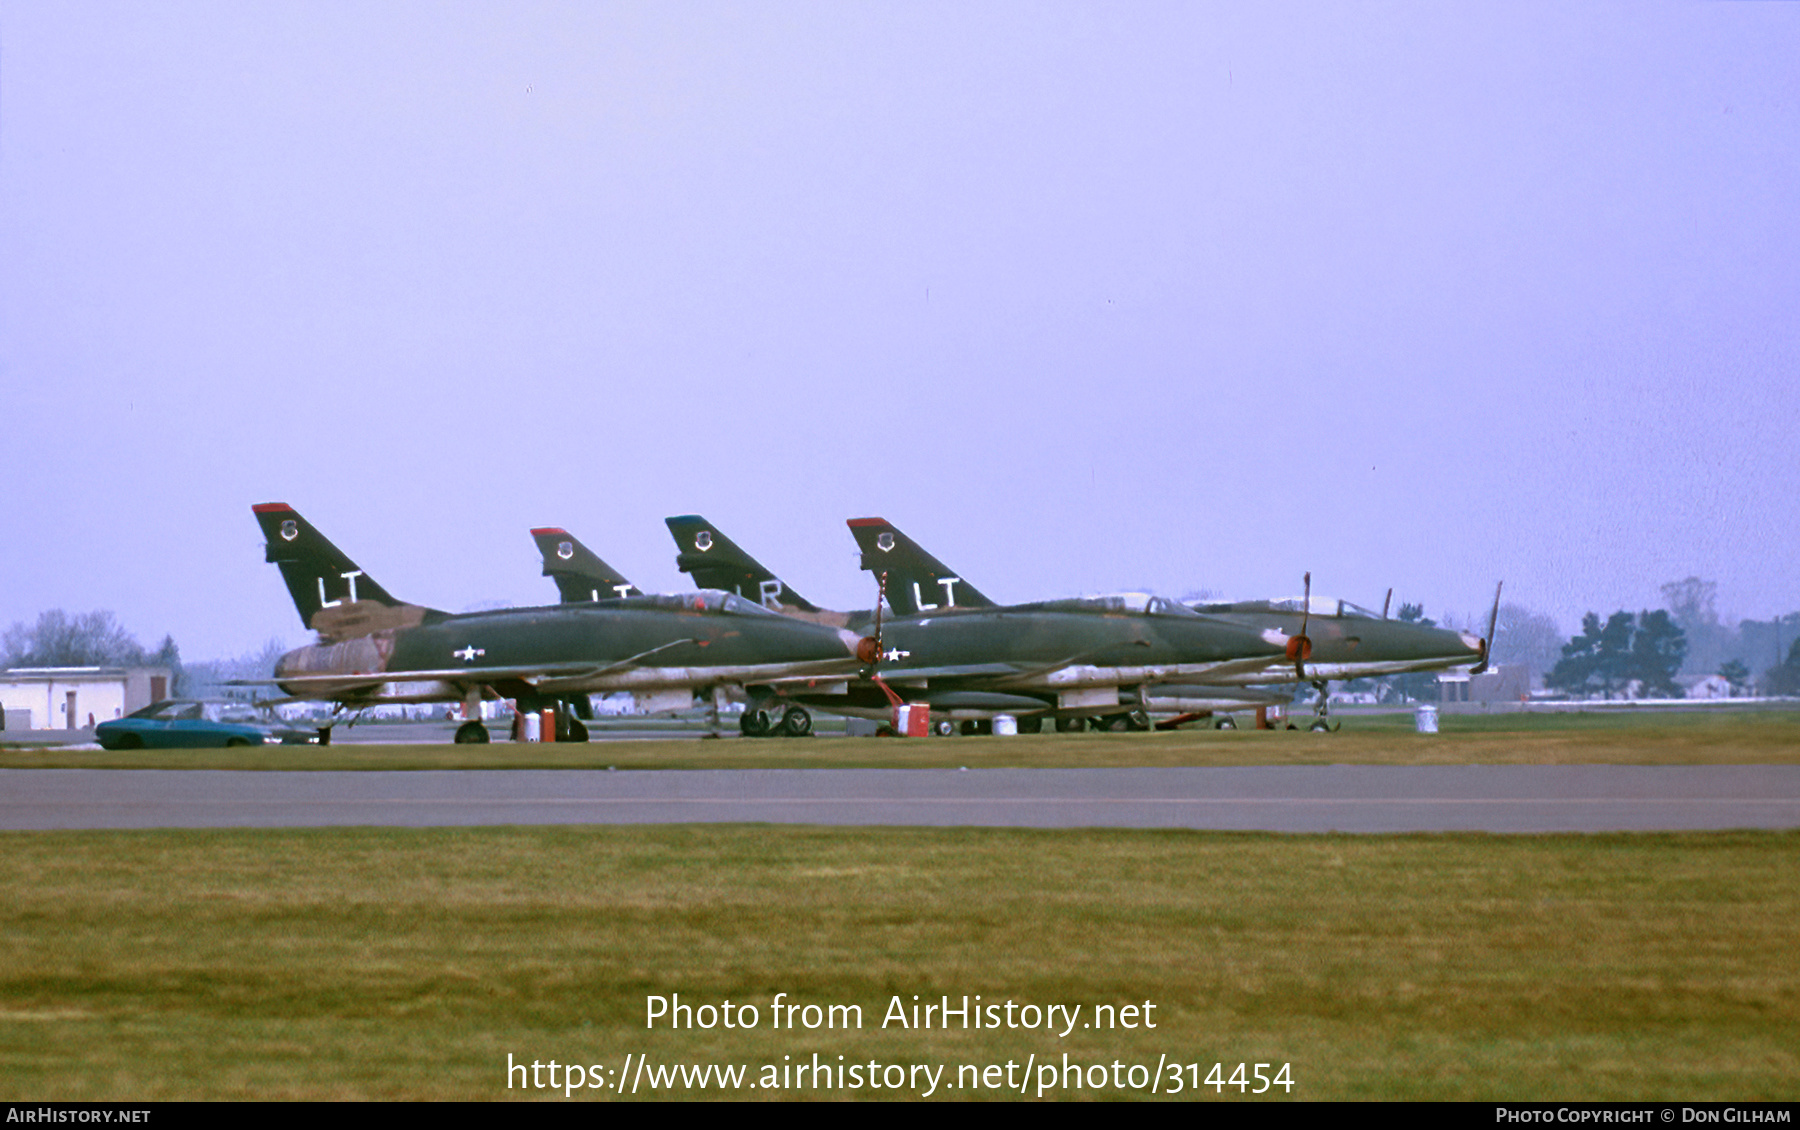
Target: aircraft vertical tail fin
[[579, 573], [334, 597], [916, 581], [716, 562]]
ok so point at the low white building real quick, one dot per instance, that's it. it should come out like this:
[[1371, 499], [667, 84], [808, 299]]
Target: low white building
[[75, 698], [1705, 686]]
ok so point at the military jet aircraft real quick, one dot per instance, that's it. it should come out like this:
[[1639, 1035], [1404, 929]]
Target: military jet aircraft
[[374, 648], [1335, 639], [1101, 657], [715, 562], [1322, 641], [581, 576]]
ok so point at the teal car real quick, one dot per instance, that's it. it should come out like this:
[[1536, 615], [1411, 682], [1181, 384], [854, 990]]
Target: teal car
[[192, 724]]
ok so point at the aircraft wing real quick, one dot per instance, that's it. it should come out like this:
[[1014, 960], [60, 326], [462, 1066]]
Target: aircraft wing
[[548, 678], [952, 671], [1131, 672], [465, 675], [1231, 668]]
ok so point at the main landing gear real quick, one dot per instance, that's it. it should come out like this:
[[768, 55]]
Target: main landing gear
[[794, 722], [471, 733], [1121, 723]]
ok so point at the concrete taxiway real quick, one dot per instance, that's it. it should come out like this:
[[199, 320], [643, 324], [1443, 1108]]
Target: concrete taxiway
[[1514, 799]]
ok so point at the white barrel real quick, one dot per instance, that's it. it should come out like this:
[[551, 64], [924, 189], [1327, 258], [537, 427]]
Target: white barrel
[[531, 727], [1425, 718], [1005, 725]]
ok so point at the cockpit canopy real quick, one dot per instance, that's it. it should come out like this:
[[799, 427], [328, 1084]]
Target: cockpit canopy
[[1140, 603], [700, 600], [1321, 606]]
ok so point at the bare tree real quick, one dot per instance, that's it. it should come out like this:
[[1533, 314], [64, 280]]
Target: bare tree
[[212, 678], [91, 639], [1693, 604], [1524, 636]]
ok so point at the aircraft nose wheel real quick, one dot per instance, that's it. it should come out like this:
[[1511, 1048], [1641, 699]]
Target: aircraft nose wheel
[[1224, 724], [1322, 713], [471, 733]]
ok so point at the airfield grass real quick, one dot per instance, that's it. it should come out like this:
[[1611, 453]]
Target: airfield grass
[[1761, 737], [409, 963]]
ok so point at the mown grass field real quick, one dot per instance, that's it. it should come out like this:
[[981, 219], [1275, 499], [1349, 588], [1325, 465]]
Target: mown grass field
[[1700, 738], [375, 963], [408, 963]]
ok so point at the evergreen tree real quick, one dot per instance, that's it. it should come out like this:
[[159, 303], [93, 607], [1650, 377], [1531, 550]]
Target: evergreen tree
[[1593, 660], [1784, 678], [1734, 672], [1609, 658], [1656, 654], [168, 655]]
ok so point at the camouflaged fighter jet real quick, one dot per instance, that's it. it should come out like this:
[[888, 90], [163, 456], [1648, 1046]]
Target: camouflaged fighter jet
[[1320, 641], [1106, 658], [581, 576], [715, 562], [1335, 639], [376, 649]]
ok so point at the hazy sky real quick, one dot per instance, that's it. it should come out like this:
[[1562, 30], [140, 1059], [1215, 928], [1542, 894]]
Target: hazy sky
[[1082, 296]]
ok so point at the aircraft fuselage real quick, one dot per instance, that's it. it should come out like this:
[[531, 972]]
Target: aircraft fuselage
[[567, 649]]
